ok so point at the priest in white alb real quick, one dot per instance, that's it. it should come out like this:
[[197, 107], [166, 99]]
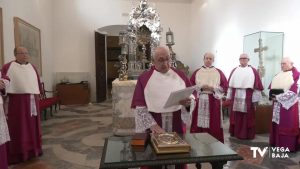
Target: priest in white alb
[[285, 130], [244, 92], [23, 108], [151, 93], [212, 84]]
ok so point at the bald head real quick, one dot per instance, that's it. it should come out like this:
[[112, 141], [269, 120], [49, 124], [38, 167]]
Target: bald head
[[161, 50], [286, 64], [208, 59], [161, 59], [244, 55], [244, 59], [18, 48]]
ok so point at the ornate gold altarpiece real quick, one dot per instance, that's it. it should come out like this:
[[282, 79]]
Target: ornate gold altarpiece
[[139, 41], [137, 46]]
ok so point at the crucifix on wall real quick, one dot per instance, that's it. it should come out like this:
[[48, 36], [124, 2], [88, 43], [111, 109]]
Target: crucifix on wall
[[260, 49]]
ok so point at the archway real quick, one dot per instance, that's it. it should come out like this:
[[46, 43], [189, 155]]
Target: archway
[[107, 50]]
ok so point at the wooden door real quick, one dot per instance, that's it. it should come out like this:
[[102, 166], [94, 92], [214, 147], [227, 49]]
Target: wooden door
[[100, 59]]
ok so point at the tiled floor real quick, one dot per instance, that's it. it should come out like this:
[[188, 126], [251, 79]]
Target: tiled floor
[[73, 139]]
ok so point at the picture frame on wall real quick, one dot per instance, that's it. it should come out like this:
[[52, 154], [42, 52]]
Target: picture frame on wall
[[29, 36], [1, 40]]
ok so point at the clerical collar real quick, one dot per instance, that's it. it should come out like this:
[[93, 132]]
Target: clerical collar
[[159, 71], [289, 69], [21, 63], [245, 66], [207, 67]]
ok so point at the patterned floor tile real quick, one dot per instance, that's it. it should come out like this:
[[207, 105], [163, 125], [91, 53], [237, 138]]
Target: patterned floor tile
[[73, 139]]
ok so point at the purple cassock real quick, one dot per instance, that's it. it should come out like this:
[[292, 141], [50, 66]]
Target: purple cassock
[[248, 85], [206, 116], [285, 122], [151, 91], [3, 156], [4, 134], [23, 113]]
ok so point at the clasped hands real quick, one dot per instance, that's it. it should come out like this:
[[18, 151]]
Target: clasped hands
[[207, 88]]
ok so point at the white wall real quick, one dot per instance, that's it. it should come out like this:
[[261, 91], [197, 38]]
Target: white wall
[[39, 14], [219, 26], [67, 28], [74, 23]]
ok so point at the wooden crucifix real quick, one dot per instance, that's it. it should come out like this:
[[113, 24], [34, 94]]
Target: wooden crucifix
[[260, 49]]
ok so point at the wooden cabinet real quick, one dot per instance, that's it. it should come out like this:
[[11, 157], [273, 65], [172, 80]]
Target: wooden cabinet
[[73, 93], [263, 118]]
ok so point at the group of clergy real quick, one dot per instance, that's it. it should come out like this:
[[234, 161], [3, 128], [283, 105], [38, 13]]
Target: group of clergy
[[20, 137], [243, 90], [20, 132]]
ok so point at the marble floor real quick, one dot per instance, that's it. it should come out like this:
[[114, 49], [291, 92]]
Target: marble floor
[[73, 139]]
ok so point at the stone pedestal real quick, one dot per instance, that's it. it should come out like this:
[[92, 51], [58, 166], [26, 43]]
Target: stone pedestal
[[123, 115]]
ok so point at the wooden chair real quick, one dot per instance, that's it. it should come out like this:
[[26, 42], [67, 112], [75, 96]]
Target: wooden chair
[[226, 107], [48, 102]]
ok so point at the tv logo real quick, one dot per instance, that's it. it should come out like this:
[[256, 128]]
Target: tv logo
[[257, 149], [274, 152]]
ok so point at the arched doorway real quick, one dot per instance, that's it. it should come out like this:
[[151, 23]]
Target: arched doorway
[[107, 50]]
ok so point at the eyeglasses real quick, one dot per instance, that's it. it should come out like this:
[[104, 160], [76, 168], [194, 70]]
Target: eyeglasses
[[23, 53], [162, 61]]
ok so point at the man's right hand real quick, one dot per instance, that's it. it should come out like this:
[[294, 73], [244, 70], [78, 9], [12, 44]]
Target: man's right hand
[[185, 102], [274, 97], [2, 85], [157, 129]]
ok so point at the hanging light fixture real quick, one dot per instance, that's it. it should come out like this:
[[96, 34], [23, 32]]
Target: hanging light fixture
[[170, 38]]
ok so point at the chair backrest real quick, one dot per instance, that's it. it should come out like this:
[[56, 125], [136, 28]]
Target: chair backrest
[[43, 92]]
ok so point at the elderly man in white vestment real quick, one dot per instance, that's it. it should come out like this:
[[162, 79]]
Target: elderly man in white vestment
[[23, 108], [151, 93], [244, 92], [212, 84], [285, 130]]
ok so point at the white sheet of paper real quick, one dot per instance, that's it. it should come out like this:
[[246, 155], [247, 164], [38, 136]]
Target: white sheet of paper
[[178, 95]]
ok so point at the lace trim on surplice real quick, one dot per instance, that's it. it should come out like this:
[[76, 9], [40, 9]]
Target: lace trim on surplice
[[256, 97], [239, 103], [203, 111], [287, 99], [4, 134], [143, 119]]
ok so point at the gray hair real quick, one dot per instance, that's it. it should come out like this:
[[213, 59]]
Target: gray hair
[[160, 48], [288, 59], [208, 53]]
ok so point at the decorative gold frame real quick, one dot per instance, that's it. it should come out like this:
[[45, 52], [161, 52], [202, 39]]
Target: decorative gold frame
[[29, 36], [1, 40]]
